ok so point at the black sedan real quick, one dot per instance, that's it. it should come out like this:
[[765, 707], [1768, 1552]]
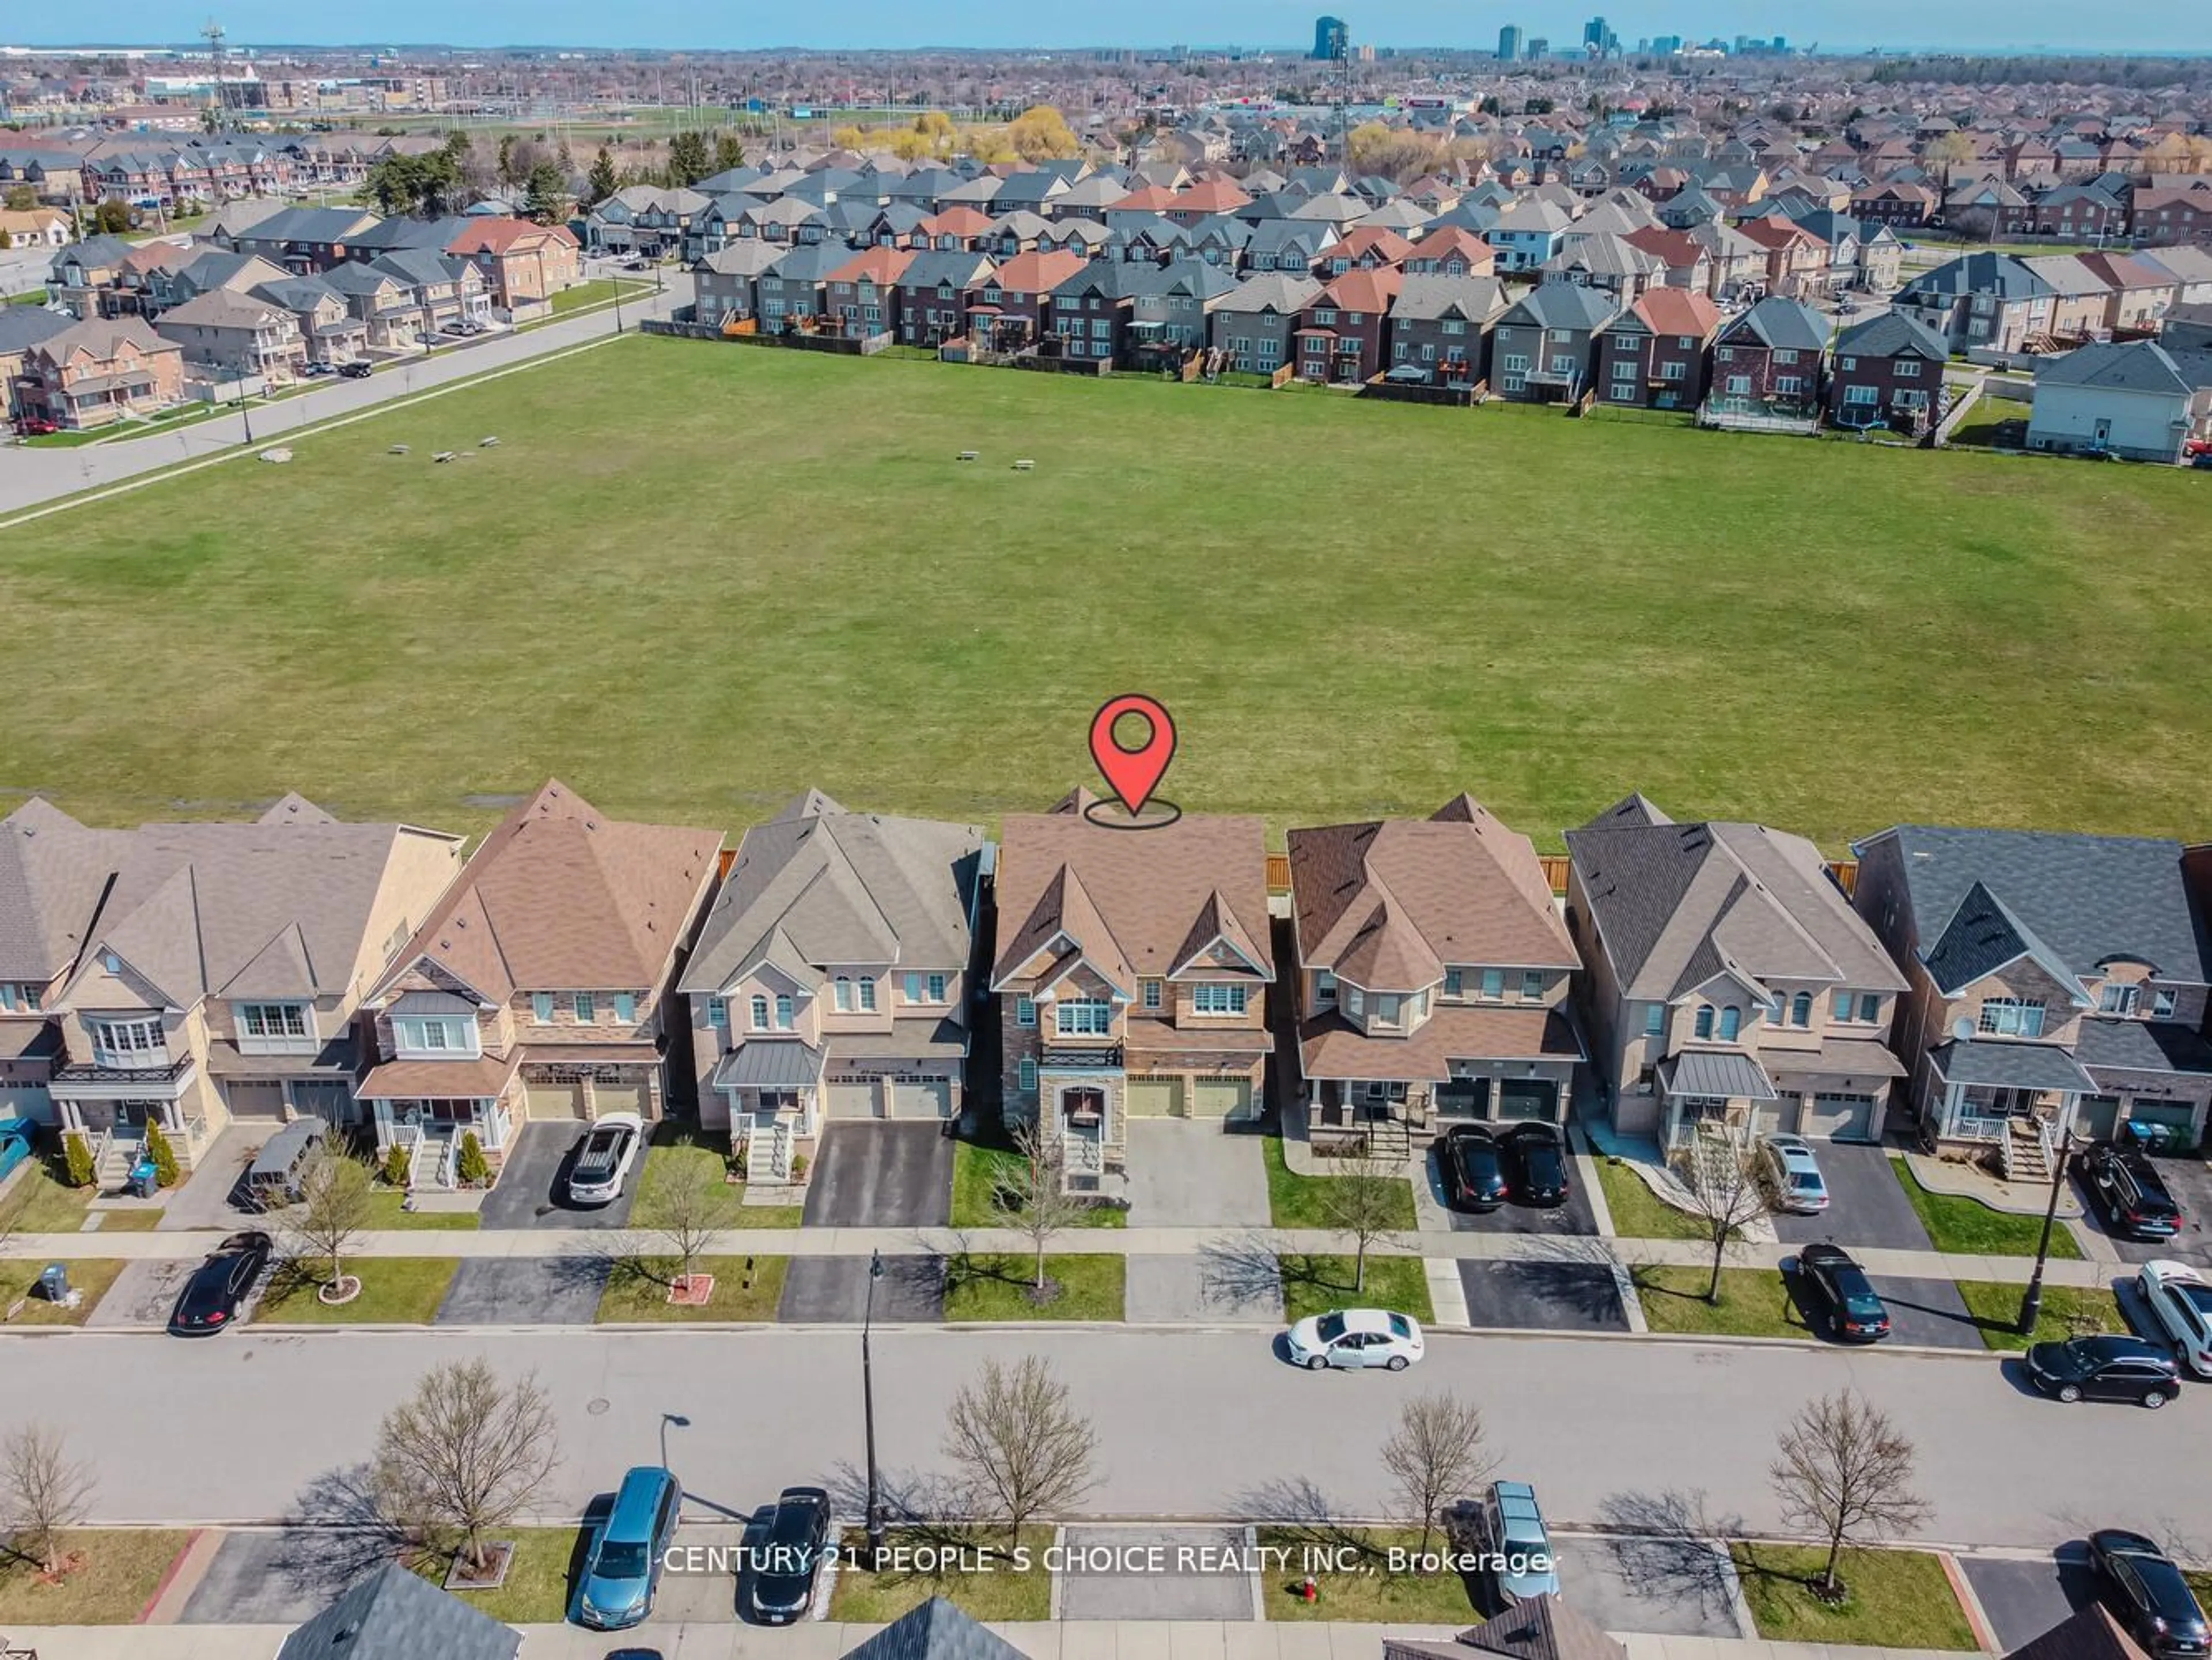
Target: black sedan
[[785, 1563], [211, 1297], [1473, 1168], [2140, 1585], [1856, 1312], [1536, 1163], [2104, 1369]]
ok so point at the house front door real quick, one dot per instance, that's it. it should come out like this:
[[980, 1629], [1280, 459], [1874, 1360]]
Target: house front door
[[2102, 436]]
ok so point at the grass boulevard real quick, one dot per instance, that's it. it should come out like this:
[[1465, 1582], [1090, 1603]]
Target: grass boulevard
[[710, 546]]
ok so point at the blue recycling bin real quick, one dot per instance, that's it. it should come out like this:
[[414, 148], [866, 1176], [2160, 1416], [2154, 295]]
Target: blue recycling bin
[[145, 1179], [54, 1282]]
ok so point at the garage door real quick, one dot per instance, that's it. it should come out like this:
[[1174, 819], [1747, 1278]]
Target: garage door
[[557, 1099], [1528, 1097], [1463, 1097], [254, 1099], [850, 1097], [1774, 1117], [1221, 1097], [2175, 1115], [624, 1096], [319, 1099], [2098, 1117], [1842, 1117], [1153, 1097], [922, 1097]]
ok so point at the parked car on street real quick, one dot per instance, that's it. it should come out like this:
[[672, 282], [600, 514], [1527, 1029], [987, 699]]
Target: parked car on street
[[1790, 1172], [621, 1568], [316, 366], [785, 1564], [1856, 1311], [2180, 1298], [210, 1298], [604, 1160], [2140, 1583], [354, 371], [1536, 1163], [1473, 1167], [2104, 1369], [1514, 1534], [2130, 1193], [1354, 1340]]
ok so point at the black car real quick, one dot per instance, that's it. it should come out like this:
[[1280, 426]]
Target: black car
[[2104, 1369], [2141, 1585], [2130, 1193], [1856, 1311], [211, 1297], [789, 1556], [354, 371], [1536, 1163], [1473, 1168]]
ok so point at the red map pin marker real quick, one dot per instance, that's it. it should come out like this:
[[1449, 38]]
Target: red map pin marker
[[1134, 773]]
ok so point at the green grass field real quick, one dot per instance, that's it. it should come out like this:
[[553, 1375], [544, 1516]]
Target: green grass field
[[694, 579]]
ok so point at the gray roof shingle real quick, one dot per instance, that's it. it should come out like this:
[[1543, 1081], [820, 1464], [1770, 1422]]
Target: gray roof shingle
[[393, 1615]]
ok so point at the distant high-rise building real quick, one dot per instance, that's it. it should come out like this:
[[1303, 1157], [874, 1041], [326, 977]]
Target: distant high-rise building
[[1665, 45], [1332, 39], [1538, 47], [1511, 44], [1781, 43]]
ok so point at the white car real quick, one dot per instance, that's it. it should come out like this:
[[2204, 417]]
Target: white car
[[1353, 1339], [605, 1157], [2181, 1297], [1792, 1175]]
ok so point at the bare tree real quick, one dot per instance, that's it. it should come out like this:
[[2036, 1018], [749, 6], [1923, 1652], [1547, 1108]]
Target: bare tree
[[1021, 1449], [1436, 1454], [684, 1215], [336, 1201], [1366, 1202], [463, 1456], [1845, 1469], [1722, 1179], [1032, 1193], [42, 1490]]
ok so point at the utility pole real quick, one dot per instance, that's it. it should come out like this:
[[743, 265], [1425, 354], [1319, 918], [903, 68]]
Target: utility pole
[[2030, 1305], [875, 1516]]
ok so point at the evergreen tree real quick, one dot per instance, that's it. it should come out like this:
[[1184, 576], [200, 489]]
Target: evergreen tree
[[601, 185]]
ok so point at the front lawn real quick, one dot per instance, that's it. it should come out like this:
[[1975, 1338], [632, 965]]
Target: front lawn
[[91, 1275], [535, 1591], [1898, 1599], [1317, 1284], [1754, 1302], [682, 1152], [745, 1288], [991, 1287], [133, 1219], [39, 1201], [386, 1211], [1967, 1227], [1638, 1213], [922, 1563], [119, 1572], [975, 1176], [400, 1291], [599, 291], [1370, 1592], [2068, 1311], [1302, 1202]]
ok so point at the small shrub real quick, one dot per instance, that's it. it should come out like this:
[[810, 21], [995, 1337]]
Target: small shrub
[[798, 1167], [471, 1166], [163, 1155], [738, 1163], [76, 1158], [395, 1165]]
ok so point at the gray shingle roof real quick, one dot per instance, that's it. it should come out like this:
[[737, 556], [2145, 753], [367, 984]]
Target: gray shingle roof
[[1784, 323], [2142, 1046], [2128, 366], [393, 1615], [1563, 306], [935, 1630], [1424, 297], [26, 326], [2004, 1065], [1995, 274], [1893, 334]]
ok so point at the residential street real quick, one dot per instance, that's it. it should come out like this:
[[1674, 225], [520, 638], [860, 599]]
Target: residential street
[[30, 475], [1200, 1423]]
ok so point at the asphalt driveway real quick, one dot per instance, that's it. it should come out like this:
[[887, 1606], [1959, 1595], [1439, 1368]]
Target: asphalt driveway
[[834, 1291], [1930, 1313], [1542, 1295], [524, 1291], [280, 1579], [1574, 1219], [1867, 1204], [1193, 1173], [143, 1295], [533, 1185], [881, 1174], [1192, 1586], [2189, 1181], [2025, 1598]]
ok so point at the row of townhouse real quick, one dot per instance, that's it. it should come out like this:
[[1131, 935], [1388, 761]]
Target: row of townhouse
[[154, 172], [2149, 212], [1989, 987], [2041, 302]]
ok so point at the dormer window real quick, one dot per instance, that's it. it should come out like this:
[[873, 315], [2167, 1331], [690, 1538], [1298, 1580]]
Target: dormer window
[[1218, 999], [2162, 1003], [1454, 984], [2120, 1000], [1153, 993], [1493, 985], [786, 1011], [1355, 1002], [435, 1037], [1704, 1026]]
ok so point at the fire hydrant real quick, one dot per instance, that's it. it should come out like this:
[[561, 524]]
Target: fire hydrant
[[1310, 1590]]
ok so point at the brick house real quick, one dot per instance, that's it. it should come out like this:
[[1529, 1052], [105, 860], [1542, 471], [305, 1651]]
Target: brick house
[[537, 986], [1089, 311], [862, 294], [1256, 327], [2087, 213], [1455, 251], [1797, 262], [22, 327], [794, 290], [524, 264], [1433, 979], [1170, 309], [1544, 347], [1980, 300], [1888, 371], [2163, 214], [1008, 307], [1768, 363], [2057, 982], [232, 335], [932, 291], [830, 978], [1443, 324], [1904, 205], [1132, 973], [1341, 338], [93, 372], [2137, 292], [1656, 355]]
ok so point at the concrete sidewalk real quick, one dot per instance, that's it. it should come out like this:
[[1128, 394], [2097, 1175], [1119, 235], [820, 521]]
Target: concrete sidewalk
[[1124, 1640]]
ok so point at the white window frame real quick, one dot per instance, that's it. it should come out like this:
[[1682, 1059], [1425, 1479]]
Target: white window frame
[[718, 1014], [1214, 1000], [541, 1007], [1026, 1011], [1025, 1075], [2010, 1017], [787, 1011], [1083, 1017], [436, 1036], [293, 1021], [1152, 992], [2123, 1000], [758, 1010]]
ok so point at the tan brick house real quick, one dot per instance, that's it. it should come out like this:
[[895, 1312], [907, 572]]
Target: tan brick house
[[1132, 970], [538, 988], [1432, 977], [99, 372], [524, 264], [830, 978]]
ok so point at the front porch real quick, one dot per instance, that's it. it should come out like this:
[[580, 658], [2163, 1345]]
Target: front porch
[[773, 1092], [2007, 1103], [1705, 1090], [112, 1107], [430, 1129]]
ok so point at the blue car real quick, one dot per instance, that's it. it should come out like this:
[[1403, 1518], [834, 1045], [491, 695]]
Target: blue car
[[623, 1569], [16, 1137]]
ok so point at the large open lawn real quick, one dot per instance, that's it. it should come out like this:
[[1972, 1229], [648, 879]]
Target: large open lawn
[[694, 578]]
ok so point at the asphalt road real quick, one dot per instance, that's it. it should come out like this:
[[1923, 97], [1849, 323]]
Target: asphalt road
[[30, 475], [1196, 1423]]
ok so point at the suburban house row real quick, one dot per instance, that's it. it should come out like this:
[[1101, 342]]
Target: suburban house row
[[1994, 988]]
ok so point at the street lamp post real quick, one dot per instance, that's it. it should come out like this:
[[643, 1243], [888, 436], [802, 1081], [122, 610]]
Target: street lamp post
[[667, 1419], [2030, 1305], [875, 1517]]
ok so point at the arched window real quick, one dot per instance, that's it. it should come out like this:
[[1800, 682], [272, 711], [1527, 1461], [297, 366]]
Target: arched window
[[1083, 1106], [760, 1014], [1706, 1020], [1731, 1023], [1801, 1009]]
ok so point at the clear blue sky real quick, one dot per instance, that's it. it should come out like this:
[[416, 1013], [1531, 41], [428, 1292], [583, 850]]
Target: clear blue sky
[[1987, 25]]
